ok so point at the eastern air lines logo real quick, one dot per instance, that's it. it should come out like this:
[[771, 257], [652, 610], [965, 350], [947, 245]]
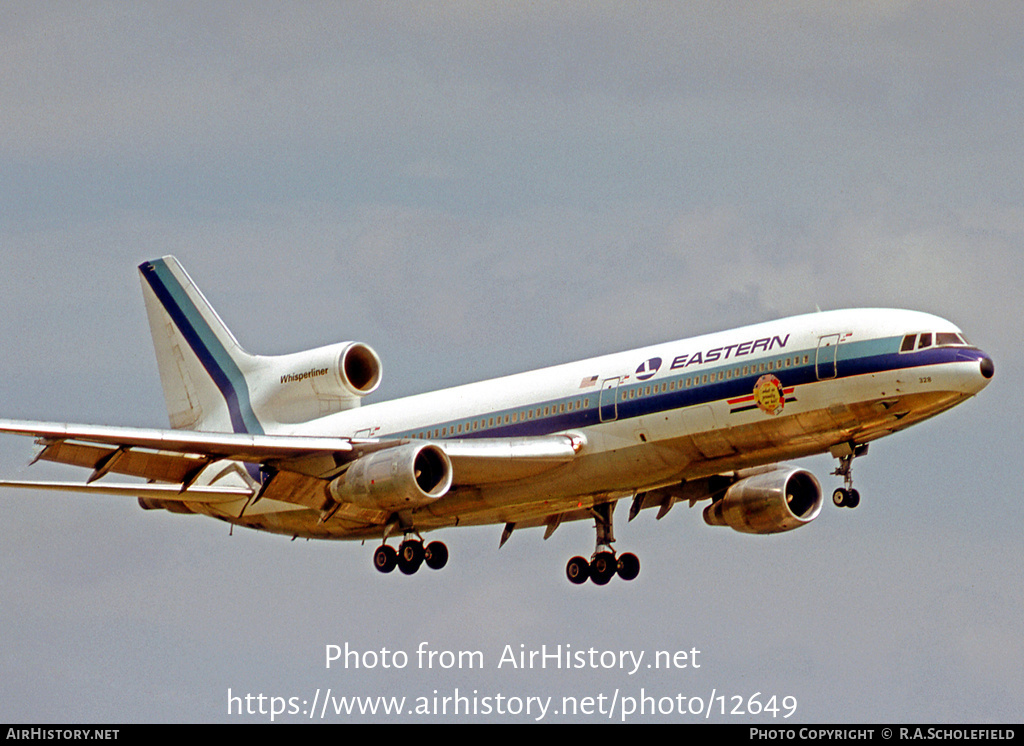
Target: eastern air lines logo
[[648, 368]]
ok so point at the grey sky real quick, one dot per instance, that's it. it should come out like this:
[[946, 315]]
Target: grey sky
[[476, 189]]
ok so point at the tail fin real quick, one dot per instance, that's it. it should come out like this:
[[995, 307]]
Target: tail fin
[[202, 366]]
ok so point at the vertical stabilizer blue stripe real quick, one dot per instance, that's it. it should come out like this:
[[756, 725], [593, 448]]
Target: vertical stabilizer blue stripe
[[214, 358]]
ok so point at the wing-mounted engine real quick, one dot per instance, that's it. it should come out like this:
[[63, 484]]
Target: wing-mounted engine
[[315, 383], [768, 503], [406, 476]]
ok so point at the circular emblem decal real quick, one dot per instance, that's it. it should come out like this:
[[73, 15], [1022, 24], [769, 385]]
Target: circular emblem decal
[[648, 368], [768, 394]]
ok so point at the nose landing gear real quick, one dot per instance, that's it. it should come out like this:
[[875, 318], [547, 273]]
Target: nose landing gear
[[846, 496]]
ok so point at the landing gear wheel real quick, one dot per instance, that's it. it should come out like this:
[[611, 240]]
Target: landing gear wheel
[[410, 556], [578, 570], [603, 568], [844, 498], [628, 566], [436, 555], [385, 558]]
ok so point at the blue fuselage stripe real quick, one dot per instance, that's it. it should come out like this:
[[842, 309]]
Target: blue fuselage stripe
[[855, 359]]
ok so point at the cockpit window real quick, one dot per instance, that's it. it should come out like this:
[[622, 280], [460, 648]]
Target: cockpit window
[[925, 340], [949, 338]]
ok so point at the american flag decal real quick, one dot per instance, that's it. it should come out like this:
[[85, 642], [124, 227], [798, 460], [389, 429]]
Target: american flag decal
[[587, 382]]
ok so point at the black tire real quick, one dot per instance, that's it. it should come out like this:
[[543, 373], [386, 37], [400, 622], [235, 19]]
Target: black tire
[[603, 568], [629, 566], [385, 558], [840, 498], [577, 570], [436, 555], [853, 500], [410, 556]]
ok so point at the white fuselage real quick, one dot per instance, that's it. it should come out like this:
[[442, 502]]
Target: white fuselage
[[680, 410]]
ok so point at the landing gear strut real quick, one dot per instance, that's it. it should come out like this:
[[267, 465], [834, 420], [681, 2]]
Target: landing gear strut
[[603, 564], [410, 555], [846, 496]]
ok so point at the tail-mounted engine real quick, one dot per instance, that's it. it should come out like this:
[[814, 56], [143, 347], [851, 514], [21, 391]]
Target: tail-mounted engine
[[768, 503], [406, 476], [315, 383]]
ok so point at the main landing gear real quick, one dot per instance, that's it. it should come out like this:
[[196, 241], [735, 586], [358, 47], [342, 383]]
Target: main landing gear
[[846, 496], [602, 567], [410, 555], [603, 563]]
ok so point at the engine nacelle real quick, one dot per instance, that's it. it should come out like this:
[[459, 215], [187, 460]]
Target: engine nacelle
[[306, 385], [401, 477], [768, 503]]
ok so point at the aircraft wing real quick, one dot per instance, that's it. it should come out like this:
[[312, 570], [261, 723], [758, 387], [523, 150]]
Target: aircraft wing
[[195, 494], [234, 446], [301, 464]]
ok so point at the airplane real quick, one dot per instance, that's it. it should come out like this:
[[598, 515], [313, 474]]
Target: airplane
[[282, 443]]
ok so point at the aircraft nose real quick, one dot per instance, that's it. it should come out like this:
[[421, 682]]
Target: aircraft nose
[[988, 368]]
